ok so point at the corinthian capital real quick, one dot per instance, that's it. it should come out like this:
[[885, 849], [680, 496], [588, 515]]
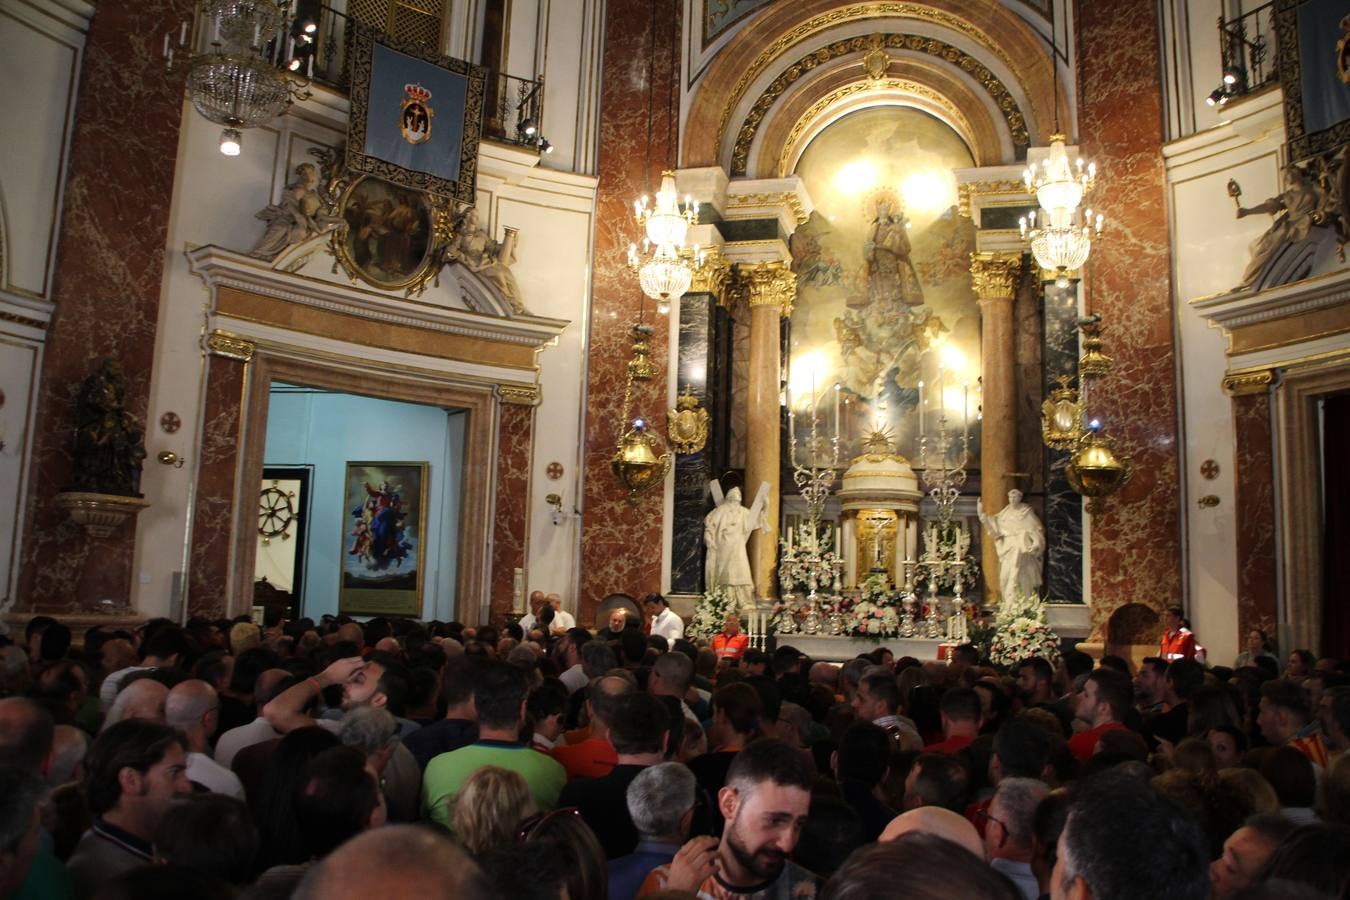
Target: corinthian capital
[[995, 274], [769, 283]]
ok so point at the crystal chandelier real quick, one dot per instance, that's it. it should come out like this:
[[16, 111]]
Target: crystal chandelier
[[244, 79], [1063, 240]]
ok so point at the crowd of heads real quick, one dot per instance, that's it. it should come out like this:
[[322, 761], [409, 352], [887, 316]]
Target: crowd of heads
[[339, 758]]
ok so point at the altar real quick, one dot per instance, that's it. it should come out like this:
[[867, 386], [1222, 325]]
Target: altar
[[839, 648]]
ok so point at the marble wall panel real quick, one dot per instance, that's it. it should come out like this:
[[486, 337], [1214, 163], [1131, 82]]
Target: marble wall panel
[[1063, 507], [692, 470], [1254, 468], [213, 510], [621, 541], [515, 437], [1135, 544], [114, 224]]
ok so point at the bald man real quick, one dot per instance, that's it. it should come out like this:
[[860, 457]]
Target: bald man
[[528, 621], [938, 822], [265, 687], [142, 699], [395, 861], [193, 708]]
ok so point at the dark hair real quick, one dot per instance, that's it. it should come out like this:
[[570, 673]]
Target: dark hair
[[499, 691], [881, 685], [1187, 677], [549, 699], [864, 753], [21, 791], [1041, 669], [587, 874], [654, 597], [1023, 749], [457, 680], [742, 706], [209, 667], [1286, 695], [395, 682], [831, 832], [674, 724], [36, 624], [1306, 657], [640, 724], [249, 665], [770, 698], [534, 871], [1051, 814], [1115, 690], [929, 867], [336, 798], [771, 760], [1176, 611], [1315, 855], [273, 804], [784, 659], [487, 635], [942, 780], [658, 642], [1156, 663], [167, 641], [1076, 663], [28, 747], [968, 652], [633, 644], [424, 685], [163, 882], [212, 834], [132, 743], [1106, 846], [961, 705], [1111, 661], [1340, 706], [55, 642], [1291, 774]]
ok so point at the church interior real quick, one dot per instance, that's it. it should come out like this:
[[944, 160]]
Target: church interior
[[865, 317]]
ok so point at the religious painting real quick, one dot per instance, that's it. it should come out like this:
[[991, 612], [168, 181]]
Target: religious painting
[[383, 529], [720, 15], [388, 241], [885, 308], [1313, 49], [416, 115]]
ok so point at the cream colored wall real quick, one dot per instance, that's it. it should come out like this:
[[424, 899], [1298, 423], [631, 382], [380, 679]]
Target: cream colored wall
[[1209, 254], [41, 46], [215, 201]]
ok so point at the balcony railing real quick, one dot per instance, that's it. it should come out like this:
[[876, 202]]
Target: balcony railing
[[1247, 48], [513, 107]]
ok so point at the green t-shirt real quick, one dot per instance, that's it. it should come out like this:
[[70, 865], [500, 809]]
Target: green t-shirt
[[47, 880], [448, 771]]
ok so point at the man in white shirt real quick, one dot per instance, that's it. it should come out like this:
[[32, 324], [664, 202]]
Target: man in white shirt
[[1009, 831], [192, 708], [531, 618], [664, 621], [267, 686], [562, 619]]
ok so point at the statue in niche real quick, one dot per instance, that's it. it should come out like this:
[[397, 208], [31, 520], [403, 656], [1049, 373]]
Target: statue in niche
[[1019, 539], [296, 217], [725, 532], [891, 279], [109, 442], [489, 259], [1300, 207]]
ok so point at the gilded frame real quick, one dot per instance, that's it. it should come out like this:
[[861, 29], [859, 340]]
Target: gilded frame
[[370, 507], [1302, 144], [461, 188], [344, 237]]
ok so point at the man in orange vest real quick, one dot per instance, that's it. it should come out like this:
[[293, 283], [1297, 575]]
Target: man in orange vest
[[729, 644], [1177, 641]]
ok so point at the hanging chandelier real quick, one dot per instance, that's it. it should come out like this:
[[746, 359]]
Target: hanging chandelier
[[245, 77]]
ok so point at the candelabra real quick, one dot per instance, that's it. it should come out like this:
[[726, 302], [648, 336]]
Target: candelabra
[[804, 560]]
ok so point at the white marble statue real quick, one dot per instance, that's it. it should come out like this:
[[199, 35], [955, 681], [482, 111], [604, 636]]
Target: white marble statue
[[1019, 539], [725, 531]]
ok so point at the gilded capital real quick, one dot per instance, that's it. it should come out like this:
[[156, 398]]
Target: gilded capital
[[995, 275], [712, 277], [220, 344], [1249, 384], [519, 394], [769, 283]]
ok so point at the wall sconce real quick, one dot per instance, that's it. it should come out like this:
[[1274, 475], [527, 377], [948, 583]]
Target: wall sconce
[[555, 501], [1061, 414], [169, 458]]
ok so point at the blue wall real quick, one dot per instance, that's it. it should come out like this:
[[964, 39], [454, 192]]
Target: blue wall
[[326, 431]]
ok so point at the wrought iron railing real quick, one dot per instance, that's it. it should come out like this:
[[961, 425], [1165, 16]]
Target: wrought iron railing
[[513, 106], [1247, 48]]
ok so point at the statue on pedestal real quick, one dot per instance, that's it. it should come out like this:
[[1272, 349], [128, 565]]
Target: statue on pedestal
[[725, 531], [109, 442], [1019, 539]]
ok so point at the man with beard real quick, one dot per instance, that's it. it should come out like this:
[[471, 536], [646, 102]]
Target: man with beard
[[765, 803]]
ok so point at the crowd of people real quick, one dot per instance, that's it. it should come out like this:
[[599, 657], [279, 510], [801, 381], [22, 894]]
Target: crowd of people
[[395, 758]]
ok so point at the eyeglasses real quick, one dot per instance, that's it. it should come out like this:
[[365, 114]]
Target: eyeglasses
[[984, 816], [540, 821]]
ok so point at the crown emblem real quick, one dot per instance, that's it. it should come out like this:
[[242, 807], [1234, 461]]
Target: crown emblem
[[417, 92], [687, 400]]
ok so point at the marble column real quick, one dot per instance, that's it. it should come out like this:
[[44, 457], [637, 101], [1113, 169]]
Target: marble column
[[107, 283], [995, 276], [1063, 507], [1254, 483], [510, 527], [770, 288]]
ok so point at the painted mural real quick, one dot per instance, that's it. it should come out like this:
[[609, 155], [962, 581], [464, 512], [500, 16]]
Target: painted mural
[[885, 306]]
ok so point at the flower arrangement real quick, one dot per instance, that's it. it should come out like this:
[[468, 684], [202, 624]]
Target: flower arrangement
[[710, 613], [949, 541], [805, 558], [1019, 631], [873, 613]]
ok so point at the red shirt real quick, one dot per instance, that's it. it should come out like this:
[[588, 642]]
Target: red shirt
[[730, 646], [1179, 644], [950, 746], [591, 758], [1084, 743]]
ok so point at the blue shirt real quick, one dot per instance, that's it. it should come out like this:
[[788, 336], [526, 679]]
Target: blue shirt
[[627, 873]]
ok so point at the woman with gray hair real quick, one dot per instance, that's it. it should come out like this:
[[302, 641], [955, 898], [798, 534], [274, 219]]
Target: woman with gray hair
[[661, 804]]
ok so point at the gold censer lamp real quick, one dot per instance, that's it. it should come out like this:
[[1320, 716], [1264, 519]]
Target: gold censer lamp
[[1094, 470], [641, 460]]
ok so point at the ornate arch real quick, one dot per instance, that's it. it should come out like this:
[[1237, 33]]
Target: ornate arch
[[859, 45], [779, 29]]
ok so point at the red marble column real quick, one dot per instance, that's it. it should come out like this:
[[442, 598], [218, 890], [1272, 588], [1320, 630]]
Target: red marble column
[[1254, 471], [621, 542], [1135, 545], [114, 224], [214, 508], [514, 436]]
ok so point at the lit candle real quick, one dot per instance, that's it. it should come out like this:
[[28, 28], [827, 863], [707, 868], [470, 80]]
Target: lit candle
[[182, 35], [965, 408], [792, 427], [920, 409], [837, 388], [257, 33], [290, 49], [215, 32], [310, 72], [166, 46]]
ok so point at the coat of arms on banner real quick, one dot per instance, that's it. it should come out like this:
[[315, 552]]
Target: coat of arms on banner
[[415, 119]]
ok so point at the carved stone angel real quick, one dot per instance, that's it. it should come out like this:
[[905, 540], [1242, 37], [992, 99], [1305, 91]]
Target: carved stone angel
[[1297, 210], [491, 260], [295, 218]]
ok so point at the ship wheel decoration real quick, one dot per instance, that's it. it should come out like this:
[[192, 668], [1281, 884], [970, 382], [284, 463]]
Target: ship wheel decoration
[[276, 513]]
